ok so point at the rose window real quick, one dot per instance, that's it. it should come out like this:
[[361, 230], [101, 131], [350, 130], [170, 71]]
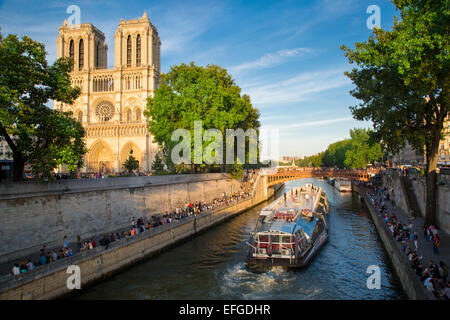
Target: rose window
[[104, 111]]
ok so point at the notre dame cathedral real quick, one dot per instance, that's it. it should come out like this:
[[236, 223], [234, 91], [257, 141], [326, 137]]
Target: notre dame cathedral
[[112, 101]]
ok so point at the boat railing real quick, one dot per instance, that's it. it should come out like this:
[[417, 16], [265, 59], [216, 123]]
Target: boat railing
[[291, 250], [254, 248]]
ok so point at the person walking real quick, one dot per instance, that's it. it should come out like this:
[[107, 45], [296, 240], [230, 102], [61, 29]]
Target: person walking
[[443, 271], [79, 244], [416, 240], [65, 244], [436, 244]]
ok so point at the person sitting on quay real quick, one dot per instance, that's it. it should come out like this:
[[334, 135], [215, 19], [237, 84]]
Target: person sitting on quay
[[443, 270], [67, 252], [30, 265], [42, 259], [85, 246], [79, 243], [105, 241], [65, 243], [16, 269], [49, 257]]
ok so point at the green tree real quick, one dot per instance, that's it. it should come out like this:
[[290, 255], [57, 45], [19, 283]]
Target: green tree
[[36, 134], [362, 151], [158, 165], [131, 163], [403, 80], [315, 161], [334, 156], [189, 93]]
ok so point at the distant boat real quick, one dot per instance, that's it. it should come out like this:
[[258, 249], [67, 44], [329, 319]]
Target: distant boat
[[343, 185], [291, 230]]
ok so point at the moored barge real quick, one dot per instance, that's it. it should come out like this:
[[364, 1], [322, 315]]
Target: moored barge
[[343, 185]]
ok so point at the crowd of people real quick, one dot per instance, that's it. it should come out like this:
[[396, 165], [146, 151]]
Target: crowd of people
[[433, 276], [141, 225], [45, 257]]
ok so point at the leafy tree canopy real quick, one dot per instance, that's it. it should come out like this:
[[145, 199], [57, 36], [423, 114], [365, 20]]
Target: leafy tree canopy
[[362, 151], [130, 164], [357, 152], [157, 164], [36, 134], [403, 80], [189, 93], [335, 154]]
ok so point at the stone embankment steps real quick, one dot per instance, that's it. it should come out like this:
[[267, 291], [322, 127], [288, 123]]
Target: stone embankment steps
[[411, 197]]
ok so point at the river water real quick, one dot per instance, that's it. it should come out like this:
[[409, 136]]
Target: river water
[[212, 265]]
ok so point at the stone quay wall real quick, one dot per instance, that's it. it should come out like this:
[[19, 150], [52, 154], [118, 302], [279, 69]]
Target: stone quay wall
[[413, 288], [34, 214], [50, 281], [393, 180]]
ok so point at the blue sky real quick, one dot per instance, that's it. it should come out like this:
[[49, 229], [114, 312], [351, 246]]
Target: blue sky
[[284, 54]]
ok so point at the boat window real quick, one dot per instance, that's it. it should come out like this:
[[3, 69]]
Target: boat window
[[275, 238], [286, 239], [263, 238]]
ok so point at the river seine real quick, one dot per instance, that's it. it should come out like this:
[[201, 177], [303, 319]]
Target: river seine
[[212, 265]]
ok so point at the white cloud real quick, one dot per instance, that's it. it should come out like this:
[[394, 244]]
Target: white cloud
[[181, 24], [297, 88], [316, 123], [272, 59]]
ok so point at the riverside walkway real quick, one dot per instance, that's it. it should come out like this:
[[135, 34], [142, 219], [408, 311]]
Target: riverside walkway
[[157, 221], [169, 219], [425, 250]]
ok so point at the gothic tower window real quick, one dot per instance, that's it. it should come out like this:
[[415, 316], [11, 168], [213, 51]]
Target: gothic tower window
[[138, 114], [128, 115], [81, 55], [97, 55], [71, 52], [129, 51], [138, 50], [80, 116]]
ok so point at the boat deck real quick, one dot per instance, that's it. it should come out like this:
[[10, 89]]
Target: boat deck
[[303, 200]]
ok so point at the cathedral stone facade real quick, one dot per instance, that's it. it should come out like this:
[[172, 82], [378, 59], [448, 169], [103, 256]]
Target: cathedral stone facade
[[112, 101]]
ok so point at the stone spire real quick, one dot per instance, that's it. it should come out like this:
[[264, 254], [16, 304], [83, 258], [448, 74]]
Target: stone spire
[[144, 16], [65, 22]]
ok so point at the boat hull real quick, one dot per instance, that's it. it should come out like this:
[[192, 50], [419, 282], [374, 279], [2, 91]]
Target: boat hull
[[299, 262]]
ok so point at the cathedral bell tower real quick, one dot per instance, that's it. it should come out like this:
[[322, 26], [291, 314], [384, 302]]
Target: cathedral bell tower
[[137, 44], [84, 44]]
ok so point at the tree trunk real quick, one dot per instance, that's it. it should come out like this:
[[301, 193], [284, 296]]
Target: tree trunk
[[19, 159], [19, 164], [431, 179]]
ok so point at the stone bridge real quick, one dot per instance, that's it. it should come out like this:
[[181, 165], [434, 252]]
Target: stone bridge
[[280, 175]]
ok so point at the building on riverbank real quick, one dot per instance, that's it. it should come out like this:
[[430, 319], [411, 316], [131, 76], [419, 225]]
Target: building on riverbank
[[112, 100], [408, 156]]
